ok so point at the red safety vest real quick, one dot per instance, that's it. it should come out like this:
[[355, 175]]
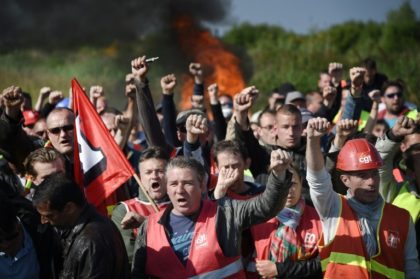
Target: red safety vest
[[205, 260], [142, 208], [346, 257], [309, 232]]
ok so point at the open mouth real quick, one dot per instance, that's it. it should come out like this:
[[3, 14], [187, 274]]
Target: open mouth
[[181, 201], [155, 185]]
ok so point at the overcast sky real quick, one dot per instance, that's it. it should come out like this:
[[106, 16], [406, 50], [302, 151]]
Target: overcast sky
[[302, 16]]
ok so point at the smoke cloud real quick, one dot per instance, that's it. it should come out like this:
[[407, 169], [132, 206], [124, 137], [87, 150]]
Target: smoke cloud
[[79, 22]]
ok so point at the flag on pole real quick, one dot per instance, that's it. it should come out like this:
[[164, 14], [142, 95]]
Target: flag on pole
[[100, 167]]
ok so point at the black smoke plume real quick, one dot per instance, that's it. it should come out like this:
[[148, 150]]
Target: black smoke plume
[[67, 23]]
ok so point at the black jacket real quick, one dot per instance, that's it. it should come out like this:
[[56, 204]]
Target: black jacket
[[94, 248]]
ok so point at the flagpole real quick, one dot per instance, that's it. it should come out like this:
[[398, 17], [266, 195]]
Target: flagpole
[[152, 202]]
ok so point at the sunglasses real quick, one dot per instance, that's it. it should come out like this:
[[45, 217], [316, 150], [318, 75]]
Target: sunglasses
[[57, 130], [393, 95]]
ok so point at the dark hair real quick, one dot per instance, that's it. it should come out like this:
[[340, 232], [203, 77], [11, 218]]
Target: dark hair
[[231, 146], [8, 217], [187, 163], [265, 111], [58, 190], [390, 83], [41, 155], [369, 63], [384, 123], [154, 152]]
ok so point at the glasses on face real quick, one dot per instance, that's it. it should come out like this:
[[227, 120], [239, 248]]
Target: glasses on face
[[65, 128], [393, 95]]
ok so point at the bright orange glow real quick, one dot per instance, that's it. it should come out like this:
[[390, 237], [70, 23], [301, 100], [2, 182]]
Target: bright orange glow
[[219, 64]]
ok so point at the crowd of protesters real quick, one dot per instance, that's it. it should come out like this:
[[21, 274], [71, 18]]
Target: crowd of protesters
[[317, 185]]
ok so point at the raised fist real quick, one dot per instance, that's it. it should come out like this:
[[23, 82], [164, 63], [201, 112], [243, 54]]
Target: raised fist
[[244, 100], [404, 126], [139, 68], [196, 124], [375, 96], [357, 76], [345, 127], [96, 91], [45, 91], [335, 70], [168, 84], [55, 97], [12, 97], [317, 127], [130, 91], [213, 90], [195, 69], [280, 161]]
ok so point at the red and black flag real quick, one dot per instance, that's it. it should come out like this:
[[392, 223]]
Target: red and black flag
[[100, 166]]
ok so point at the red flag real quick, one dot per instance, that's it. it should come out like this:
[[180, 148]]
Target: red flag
[[99, 165]]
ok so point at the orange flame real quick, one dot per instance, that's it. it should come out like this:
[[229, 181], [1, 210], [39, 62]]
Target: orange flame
[[220, 65]]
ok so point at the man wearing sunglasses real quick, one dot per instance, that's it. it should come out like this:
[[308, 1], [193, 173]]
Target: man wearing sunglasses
[[393, 98], [60, 126]]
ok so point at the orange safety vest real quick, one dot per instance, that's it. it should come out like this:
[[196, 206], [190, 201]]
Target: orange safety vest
[[346, 257], [142, 208], [309, 232], [206, 258]]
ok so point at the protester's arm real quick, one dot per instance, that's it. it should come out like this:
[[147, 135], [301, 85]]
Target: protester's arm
[[375, 96], [272, 200], [352, 108], [242, 103], [387, 147], [195, 125], [95, 92], [147, 115], [139, 260], [335, 70], [220, 125], [125, 122], [12, 138], [322, 194], [259, 155], [43, 95], [197, 98], [53, 98], [168, 84], [310, 268]]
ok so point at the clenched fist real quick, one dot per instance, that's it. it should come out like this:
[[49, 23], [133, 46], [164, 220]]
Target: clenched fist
[[168, 84]]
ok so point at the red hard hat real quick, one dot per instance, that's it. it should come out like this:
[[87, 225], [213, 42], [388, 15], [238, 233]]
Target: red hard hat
[[357, 155], [30, 117]]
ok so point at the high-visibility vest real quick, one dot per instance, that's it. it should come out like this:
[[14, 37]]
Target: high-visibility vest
[[308, 232], [142, 208], [345, 255], [408, 201], [205, 259]]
